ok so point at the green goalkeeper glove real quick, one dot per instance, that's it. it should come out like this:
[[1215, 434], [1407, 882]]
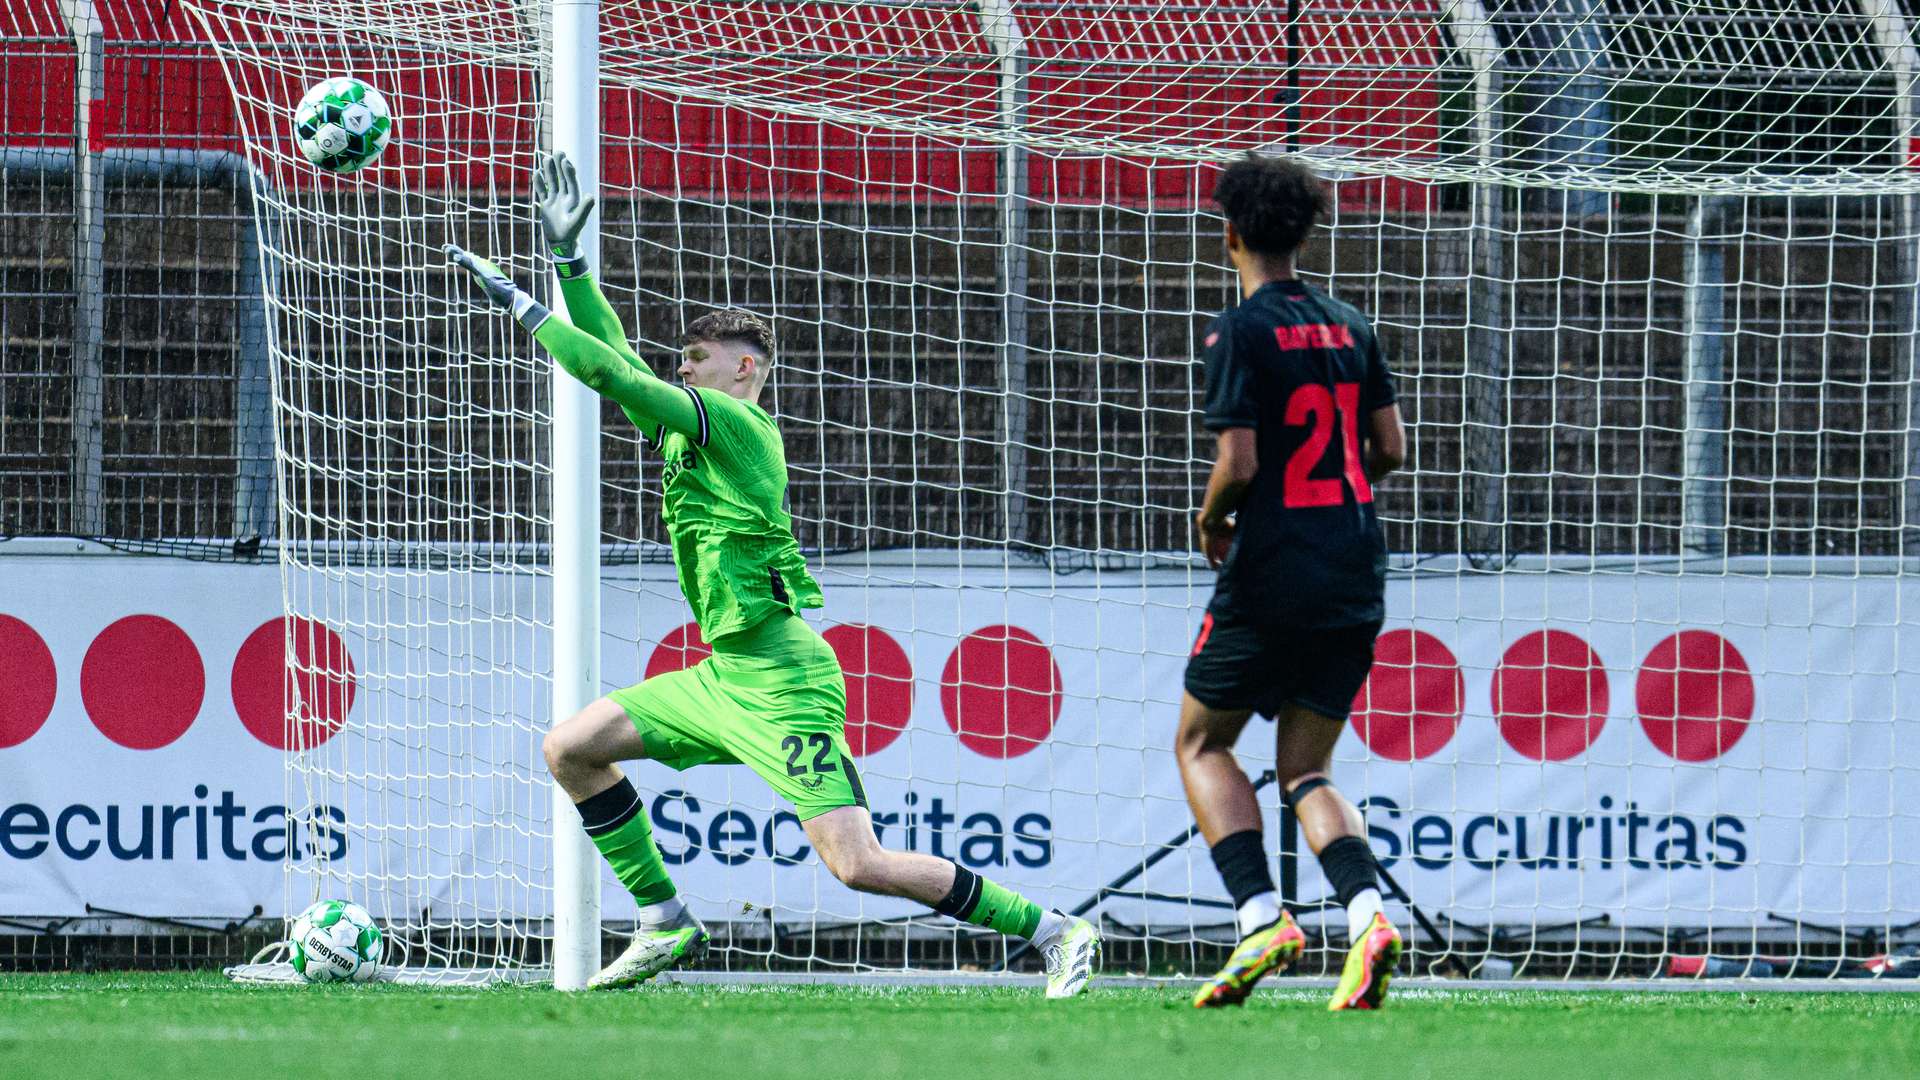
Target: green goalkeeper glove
[[563, 213], [499, 287]]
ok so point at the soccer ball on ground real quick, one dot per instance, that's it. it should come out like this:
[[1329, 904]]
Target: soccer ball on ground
[[336, 941], [342, 125]]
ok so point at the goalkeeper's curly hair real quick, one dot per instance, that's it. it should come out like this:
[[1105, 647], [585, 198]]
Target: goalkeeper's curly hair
[[1272, 203], [732, 325]]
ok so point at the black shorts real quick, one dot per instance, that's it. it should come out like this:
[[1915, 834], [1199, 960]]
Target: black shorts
[[1237, 665]]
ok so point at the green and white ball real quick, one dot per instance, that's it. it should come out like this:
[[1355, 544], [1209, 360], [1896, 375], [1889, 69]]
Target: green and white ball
[[342, 125], [336, 941]]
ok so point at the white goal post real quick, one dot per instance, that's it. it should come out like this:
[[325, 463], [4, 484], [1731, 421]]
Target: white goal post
[[1647, 697], [576, 511]]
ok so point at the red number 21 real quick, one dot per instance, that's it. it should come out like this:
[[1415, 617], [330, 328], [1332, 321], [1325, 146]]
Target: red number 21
[[1315, 405]]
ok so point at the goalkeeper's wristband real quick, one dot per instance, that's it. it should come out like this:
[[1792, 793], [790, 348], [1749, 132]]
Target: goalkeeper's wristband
[[569, 267], [530, 312]]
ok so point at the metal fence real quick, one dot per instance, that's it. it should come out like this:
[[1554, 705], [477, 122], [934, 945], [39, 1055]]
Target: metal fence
[[134, 401]]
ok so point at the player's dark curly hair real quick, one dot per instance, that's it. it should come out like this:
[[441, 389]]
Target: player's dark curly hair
[[1272, 202], [735, 325]]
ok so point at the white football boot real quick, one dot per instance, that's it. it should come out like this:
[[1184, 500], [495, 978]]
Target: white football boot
[[652, 952], [1071, 956]]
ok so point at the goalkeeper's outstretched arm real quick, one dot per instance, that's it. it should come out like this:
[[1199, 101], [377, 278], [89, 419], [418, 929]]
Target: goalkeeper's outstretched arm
[[563, 217], [589, 311], [646, 399]]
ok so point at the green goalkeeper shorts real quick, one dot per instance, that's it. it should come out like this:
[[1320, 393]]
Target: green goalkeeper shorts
[[777, 705]]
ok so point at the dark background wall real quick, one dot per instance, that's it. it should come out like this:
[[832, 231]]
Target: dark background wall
[[884, 269]]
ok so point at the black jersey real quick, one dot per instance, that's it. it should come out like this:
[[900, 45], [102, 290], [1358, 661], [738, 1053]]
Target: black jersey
[[1304, 371]]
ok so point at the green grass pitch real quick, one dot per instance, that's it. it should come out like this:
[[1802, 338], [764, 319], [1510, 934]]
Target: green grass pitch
[[196, 1025]]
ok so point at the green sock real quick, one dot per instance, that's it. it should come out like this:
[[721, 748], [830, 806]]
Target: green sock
[[981, 902], [619, 828]]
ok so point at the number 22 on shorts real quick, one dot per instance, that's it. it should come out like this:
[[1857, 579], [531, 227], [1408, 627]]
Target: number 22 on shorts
[[821, 744]]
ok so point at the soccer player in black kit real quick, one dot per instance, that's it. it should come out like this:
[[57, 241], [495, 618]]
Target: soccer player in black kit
[[1304, 409]]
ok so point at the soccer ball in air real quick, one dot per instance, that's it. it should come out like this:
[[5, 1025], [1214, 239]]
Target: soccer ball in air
[[336, 941], [342, 125]]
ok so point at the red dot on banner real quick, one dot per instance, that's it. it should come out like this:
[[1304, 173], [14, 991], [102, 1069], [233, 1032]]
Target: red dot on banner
[[310, 679], [1413, 697], [1001, 691], [682, 648], [142, 682], [27, 682], [879, 686], [1695, 695], [1550, 695]]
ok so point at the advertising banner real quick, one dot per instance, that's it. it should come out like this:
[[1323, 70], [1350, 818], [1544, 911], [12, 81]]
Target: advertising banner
[[1530, 748]]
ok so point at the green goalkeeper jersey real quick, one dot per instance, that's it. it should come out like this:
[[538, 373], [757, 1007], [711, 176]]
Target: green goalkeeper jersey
[[733, 544]]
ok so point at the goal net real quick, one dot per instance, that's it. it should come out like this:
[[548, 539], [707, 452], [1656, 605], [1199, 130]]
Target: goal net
[[1647, 695]]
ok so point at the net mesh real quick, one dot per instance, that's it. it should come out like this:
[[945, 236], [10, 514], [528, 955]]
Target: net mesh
[[1645, 275]]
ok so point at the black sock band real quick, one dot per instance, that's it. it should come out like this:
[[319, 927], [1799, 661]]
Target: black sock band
[[1242, 862], [1348, 864], [963, 897], [1292, 796], [610, 809]]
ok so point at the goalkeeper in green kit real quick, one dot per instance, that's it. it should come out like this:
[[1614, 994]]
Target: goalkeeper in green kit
[[771, 696]]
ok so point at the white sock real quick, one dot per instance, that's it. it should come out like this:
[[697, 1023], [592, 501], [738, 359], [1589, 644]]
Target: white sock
[[1052, 925], [1361, 911], [665, 915], [1258, 911]]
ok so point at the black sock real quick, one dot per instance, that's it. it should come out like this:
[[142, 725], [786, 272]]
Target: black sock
[[1348, 864], [612, 808], [1242, 862], [963, 897]]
